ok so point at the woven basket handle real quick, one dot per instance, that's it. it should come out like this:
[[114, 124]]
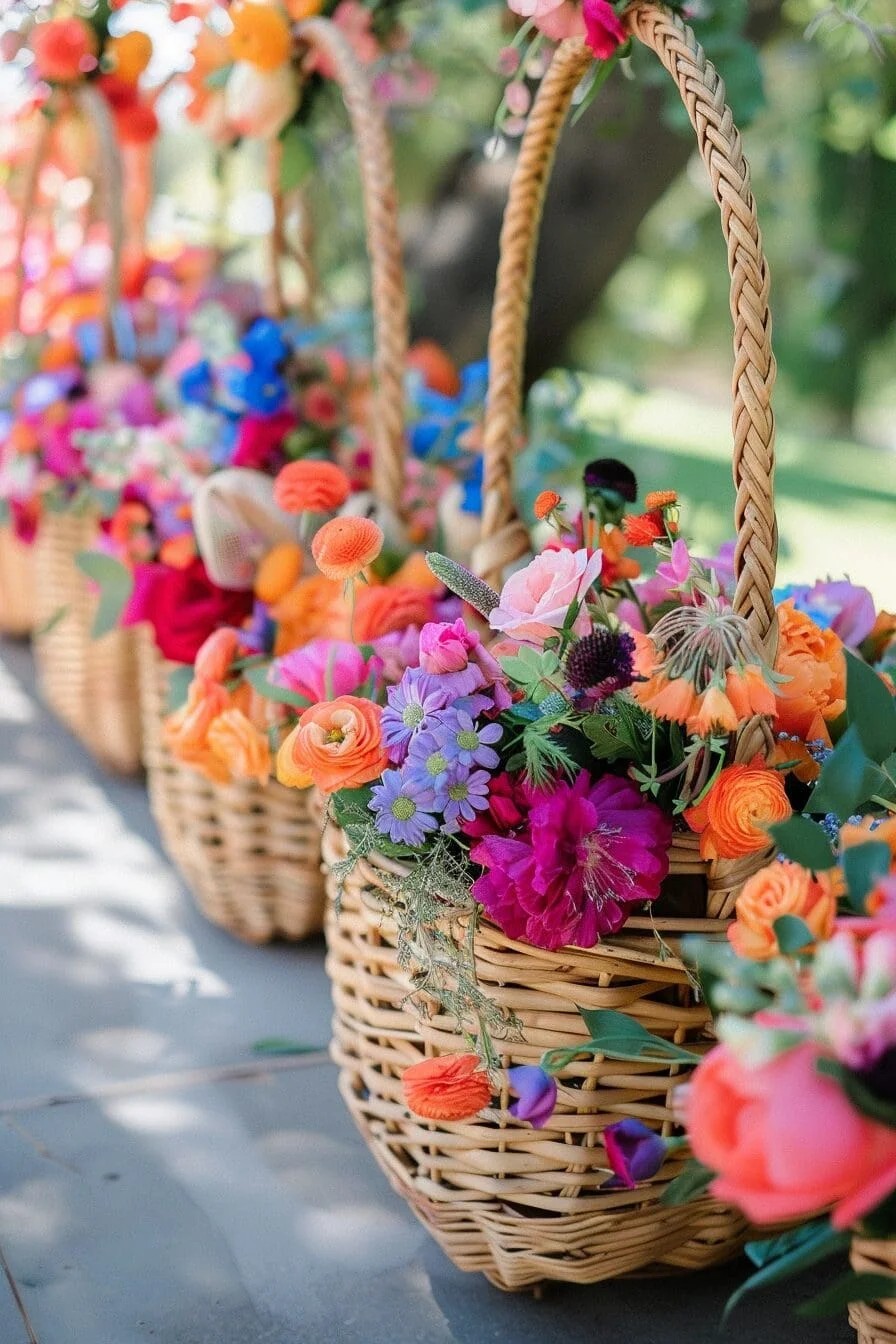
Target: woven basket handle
[[109, 182], [504, 538], [389, 293]]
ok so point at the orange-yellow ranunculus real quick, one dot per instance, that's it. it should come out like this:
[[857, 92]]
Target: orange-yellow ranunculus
[[335, 745], [260, 35], [732, 819], [311, 486], [344, 547], [310, 609], [242, 749], [130, 54], [780, 889], [813, 663], [450, 1087]]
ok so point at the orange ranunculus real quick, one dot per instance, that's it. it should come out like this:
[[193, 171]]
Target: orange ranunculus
[[335, 745], [436, 367], [212, 662], [260, 35], [451, 1087], [714, 713], [617, 566], [780, 889], [130, 54], [732, 818], [344, 547], [241, 748], [279, 571], [308, 486], [64, 49], [660, 499], [545, 504], [414, 572], [380, 610], [312, 608], [643, 529], [813, 662], [185, 731]]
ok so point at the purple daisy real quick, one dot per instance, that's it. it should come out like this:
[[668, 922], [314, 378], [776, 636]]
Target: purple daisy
[[428, 762], [410, 708], [400, 808], [466, 793], [467, 744]]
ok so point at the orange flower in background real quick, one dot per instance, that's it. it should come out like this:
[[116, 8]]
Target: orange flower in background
[[660, 499], [310, 609], [451, 1087], [260, 35], [311, 487], [303, 9], [129, 54], [749, 692], [64, 350], [742, 802], [665, 698], [545, 504], [780, 889], [278, 572], [344, 547], [414, 572], [186, 730], [64, 49], [881, 636], [859, 833], [643, 529], [805, 767], [617, 566], [335, 745], [435, 366], [380, 610], [212, 662], [813, 662], [178, 552], [243, 751]]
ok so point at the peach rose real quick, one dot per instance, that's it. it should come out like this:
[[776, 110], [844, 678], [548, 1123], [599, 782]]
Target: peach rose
[[451, 1087], [780, 889], [785, 1141], [812, 660], [335, 745], [241, 748], [732, 819], [535, 601]]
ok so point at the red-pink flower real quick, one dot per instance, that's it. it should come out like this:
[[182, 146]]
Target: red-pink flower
[[604, 32]]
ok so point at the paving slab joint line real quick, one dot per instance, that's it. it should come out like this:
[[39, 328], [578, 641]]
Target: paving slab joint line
[[17, 1297], [170, 1082]]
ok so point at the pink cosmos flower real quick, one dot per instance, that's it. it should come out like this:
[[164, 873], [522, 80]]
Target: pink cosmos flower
[[324, 669], [591, 851], [536, 601]]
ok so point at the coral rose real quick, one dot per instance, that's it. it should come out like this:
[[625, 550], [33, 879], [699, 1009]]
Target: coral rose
[[785, 1140], [335, 745], [535, 602], [780, 889], [278, 572], [344, 547], [732, 819], [813, 662], [260, 35], [313, 487], [64, 49], [243, 751], [452, 1087]]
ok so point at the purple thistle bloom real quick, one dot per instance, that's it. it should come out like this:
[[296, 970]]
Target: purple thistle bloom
[[411, 705], [466, 795], [467, 744], [537, 1093], [400, 808], [635, 1153]]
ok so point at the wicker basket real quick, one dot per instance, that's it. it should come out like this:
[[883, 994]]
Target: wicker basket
[[90, 684], [875, 1322], [520, 1204], [17, 597], [250, 854]]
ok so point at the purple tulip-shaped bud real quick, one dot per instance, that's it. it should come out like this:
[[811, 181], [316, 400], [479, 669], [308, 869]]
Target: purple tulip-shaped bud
[[537, 1093], [635, 1153]]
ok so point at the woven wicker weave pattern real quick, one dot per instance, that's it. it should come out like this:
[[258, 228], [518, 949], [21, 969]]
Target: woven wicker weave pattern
[[17, 597], [250, 855], [874, 1322], [90, 684], [520, 1204], [504, 539]]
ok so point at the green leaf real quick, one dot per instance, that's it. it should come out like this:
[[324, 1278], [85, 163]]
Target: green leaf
[[282, 1045], [693, 1182], [606, 745], [762, 1253], [863, 867], [257, 678], [805, 842], [827, 1241], [848, 778], [115, 582], [51, 622], [871, 708], [179, 679], [621, 1037], [851, 1287], [864, 1100], [298, 157], [793, 934]]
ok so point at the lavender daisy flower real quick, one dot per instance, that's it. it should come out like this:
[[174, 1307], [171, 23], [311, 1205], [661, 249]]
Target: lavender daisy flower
[[400, 807], [467, 794], [467, 744], [411, 705], [428, 763]]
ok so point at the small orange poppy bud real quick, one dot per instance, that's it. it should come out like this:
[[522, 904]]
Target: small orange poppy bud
[[452, 1087], [660, 499], [546, 503]]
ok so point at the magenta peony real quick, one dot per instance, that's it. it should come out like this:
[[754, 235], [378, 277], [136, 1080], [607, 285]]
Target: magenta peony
[[590, 852]]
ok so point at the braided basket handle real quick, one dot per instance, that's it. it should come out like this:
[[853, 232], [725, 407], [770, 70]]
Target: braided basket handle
[[504, 538], [389, 293], [110, 184]]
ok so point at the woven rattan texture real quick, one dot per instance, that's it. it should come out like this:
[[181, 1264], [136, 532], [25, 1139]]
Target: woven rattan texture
[[249, 854], [520, 1204], [90, 684], [875, 1323], [17, 596]]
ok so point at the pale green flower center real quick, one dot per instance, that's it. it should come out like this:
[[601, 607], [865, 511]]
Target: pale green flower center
[[403, 809], [412, 716], [437, 763], [468, 740], [458, 792]]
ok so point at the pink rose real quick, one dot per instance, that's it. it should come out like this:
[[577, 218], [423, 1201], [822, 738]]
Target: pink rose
[[324, 669], [446, 647], [535, 602], [785, 1141], [557, 19]]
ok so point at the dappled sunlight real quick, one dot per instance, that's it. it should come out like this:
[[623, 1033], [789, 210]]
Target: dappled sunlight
[[144, 955], [15, 707], [35, 1211], [372, 1237], [147, 1114]]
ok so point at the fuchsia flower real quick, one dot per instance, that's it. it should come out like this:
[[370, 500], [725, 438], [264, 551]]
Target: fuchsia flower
[[260, 440], [604, 32], [323, 670], [591, 852], [634, 1152]]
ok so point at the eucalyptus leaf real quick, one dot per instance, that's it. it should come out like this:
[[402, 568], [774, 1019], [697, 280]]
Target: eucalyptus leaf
[[805, 842], [257, 678], [179, 679], [621, 1037], [848, 778], [283, 1045], [826, 1241], [693, 1182], [793, 934], [863, 867], [115, 582], [871, 708]]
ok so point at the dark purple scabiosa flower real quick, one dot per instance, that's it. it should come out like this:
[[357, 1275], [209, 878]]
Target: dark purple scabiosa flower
[[634, 1152], [609, 486], [601, 663], [536, 1092]]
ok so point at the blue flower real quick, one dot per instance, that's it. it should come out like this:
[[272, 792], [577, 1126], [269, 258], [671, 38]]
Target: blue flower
[[264, 344], [466, 743], [537, 1093], [411, 705], [196, 384], [262, 390], [400, 808], [442, 421], [467, 794]]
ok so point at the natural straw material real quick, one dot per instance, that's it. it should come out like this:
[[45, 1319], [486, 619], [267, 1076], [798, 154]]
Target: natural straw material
[[90, 684], [17, 597], [250, 854], [875, 1322]]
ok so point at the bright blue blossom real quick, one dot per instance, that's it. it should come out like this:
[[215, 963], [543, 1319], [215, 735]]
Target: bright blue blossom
[[265, 345], [411, 705], [400, 808], [196, 384], [443, 421], [467, 794], [262, 390], [466, 743]]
